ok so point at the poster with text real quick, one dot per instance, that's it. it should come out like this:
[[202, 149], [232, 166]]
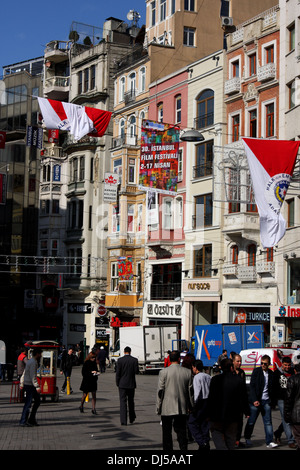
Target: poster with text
[[159, 157]]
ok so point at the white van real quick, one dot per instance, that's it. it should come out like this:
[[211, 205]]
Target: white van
[[251, 358]]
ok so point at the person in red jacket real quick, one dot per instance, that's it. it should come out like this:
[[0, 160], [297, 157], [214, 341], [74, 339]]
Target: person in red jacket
[[167, 360], [21, 362]]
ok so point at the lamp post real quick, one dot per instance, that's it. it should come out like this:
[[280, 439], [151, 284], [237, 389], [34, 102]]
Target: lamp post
[[192, 136]]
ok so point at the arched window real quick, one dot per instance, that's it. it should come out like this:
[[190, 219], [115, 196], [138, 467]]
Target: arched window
[[132, 84], [122, 128], [252, 255], [132, 130], [142, 79], [205, 109], [122, 88]]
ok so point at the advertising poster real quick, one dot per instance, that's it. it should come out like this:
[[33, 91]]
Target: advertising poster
[[159, 157], [125, 268]]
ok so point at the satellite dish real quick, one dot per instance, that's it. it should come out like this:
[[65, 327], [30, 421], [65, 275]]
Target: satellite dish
[[130, 15]]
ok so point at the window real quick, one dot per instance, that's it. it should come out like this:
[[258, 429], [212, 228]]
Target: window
[[235, 68], [115, 219], [291, 213], [180, 165], [269, 255], [45, 206], [167, 214], [189, 5], [292, 94], [163, 7], [54, 248], [152, 13], [204, 159], [203, 211], [90, 217], [139, 217], [166, 281], [178, 109], [173, 6], [142, 79], [122, 88], [55, 206], [251, 206], [81, 168], [138, 281], [178, 222], [117, 168], [131, 170], [132, 130], [205, 109], [269, 54], [235, 128], [270, 120], [86, 79], [291, 36], [130, 217], [251, 255], [79, 83], [44, 247], [189, 36], [253, 123], [234, 190], [235, 254], [203, 261], [122, 128], [160, 113], [132, 84], [252, 64], [46, 173], [114, 277], [93, 76]]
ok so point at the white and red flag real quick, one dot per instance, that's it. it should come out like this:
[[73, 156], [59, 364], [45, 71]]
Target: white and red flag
[[271, 165], [78, 120]]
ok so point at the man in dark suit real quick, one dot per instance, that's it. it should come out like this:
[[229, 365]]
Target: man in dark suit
[[127, 368]]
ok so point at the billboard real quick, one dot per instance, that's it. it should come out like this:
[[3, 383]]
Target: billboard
[[159, 157]]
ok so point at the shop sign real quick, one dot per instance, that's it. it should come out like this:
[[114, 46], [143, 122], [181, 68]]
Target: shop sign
[[199, 286], [290, 312], [116, 323], [160, 310]]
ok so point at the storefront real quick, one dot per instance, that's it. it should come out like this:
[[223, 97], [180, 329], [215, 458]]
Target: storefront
[[165, 313], [252, 313], [286, 323]]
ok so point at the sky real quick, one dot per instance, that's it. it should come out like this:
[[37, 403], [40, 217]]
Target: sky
[[27, 26]]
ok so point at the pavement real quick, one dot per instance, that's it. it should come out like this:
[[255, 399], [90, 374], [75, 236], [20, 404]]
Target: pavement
[[63, 428]]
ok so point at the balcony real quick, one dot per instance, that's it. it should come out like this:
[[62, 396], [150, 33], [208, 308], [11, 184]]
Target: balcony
[[242, 273], [233, 86], [265, 267], [165, 291], [200, 171], [57, 51], [266, 72], [241, 224], [130, 96], [124, 139], [230, 270], [57, 87]]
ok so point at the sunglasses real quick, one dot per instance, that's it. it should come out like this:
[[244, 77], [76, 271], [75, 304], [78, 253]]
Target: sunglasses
[[264, 363]]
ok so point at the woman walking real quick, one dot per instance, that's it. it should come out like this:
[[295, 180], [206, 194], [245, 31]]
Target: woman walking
[[89, 380]]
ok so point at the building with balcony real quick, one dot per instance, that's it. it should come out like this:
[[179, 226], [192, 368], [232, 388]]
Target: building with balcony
[[127, 212], [250, 273], [284, 311], [74, 216]]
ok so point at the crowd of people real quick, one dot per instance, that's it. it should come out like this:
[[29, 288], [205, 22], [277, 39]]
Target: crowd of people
[[198, 406]]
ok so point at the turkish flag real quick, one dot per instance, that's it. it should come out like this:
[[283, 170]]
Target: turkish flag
[[2, 139]]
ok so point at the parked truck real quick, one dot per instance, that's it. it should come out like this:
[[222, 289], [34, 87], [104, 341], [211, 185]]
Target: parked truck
[[210, 340], [149, 344]]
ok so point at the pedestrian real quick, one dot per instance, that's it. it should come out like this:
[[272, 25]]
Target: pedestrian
[[66, 365], [237, 362], [167, 361], [101, 359], [183, 354], [281, 376], [126, 369], [227, 399], [188, 361], [292, 401], [197, 422], [174, 402], [29, 383], [261, 401], [222, 356], [21, 362], [89, 380]]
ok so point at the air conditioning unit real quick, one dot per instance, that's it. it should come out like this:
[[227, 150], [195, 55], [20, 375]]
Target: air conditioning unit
[[227, 21]]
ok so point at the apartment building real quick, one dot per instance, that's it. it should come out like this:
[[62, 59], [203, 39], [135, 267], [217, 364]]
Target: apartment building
[[80, 71], [127, 212], [250, 273], [285, 310]]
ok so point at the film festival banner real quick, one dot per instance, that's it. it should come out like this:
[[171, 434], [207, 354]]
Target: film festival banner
[[159, 157]]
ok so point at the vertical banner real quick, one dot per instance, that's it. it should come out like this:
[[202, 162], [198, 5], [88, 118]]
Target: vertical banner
[[159, 157], [34, 137]]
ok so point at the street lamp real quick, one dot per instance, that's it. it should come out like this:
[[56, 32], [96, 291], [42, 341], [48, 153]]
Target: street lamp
[[192, 136]]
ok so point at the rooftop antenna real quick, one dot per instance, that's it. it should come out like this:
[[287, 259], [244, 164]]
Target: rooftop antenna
[[134, 17]]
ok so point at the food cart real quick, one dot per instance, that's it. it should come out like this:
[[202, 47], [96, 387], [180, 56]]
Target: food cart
[[46, 374]]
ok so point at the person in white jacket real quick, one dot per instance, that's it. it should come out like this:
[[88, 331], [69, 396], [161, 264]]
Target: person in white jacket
[[30, 384]]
